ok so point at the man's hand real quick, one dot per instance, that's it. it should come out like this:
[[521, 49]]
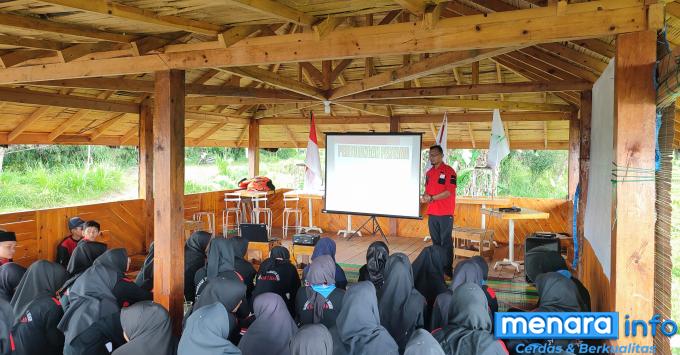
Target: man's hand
[[425, 198]]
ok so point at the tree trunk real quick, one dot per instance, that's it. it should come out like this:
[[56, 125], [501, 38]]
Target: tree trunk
[[2, 156]]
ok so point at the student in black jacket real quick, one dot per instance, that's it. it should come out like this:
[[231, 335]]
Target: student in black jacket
[[126, 291], [68, 244], [278, 275], [37, 311]]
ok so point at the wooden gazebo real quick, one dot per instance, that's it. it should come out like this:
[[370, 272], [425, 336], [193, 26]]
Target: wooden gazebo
[[164, 75]]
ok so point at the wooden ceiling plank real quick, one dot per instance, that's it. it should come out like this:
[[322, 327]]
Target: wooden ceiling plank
[[17, 41], [325, 27], [597, 46], [80, 50], [416, 7], [442, 62], [99, 131], [276, 10], [27, 122], [477, 104], [36, 24], [58, 100], [575, 56], [315, 75], [129, 135], [274, 79], [66, 125], [561, 64], [236, 34], [106, 7], [452, 34], [208, 134], [228, 101], [290, 135], [17, 57], [471, 134]]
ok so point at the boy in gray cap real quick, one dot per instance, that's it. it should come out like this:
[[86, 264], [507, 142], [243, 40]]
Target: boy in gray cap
[[66, 246]]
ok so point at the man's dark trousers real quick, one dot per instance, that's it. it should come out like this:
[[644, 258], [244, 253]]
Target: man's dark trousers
[[440, 232]]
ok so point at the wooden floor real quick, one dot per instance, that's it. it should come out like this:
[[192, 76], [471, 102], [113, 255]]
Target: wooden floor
[[354, 251]]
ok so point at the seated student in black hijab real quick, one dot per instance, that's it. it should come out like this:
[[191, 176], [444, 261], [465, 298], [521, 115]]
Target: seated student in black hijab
[[552, 261], [232, 295], [194, 259], [6, 318], [469, 326], [146, 326], [423, 343], [242, 266], [82, 258], [326, 246], [145, 277], [319, 301], [474, 270], [92, 318], [556, 293], [272, 330], [402, 308], [126, 291], [376, 258], [10, 276], [206, 332], [278, 275], [358, 330], [37, 311], [428, 273], [312, 339]]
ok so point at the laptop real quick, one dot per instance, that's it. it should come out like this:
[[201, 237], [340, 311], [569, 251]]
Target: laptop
[[254, 232]]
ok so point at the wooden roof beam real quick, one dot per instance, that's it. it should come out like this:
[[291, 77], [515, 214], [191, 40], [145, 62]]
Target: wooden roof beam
[[325, 27], [36, 24], [66, 125], [476, 104], [416, 7], [31, 97], [274, 79], [109, 8], [442, 62], [452, 34], [228, 101], [17, 57], [99, 131], [276, 10], [82, 49], [17, 41], [208, 134], [27, 122]]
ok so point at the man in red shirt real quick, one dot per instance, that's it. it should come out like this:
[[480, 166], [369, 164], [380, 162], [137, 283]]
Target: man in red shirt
[[8, 246], [68, 244], [440, 194]]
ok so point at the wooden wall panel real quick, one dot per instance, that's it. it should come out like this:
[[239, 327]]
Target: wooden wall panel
[[594, 280]]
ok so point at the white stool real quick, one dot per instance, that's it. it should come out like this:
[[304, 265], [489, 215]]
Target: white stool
[[232, 205], [257, 211], [206, 217], [290, 207]]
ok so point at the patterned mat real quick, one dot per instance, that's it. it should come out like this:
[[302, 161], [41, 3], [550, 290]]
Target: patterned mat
[[510, 293]]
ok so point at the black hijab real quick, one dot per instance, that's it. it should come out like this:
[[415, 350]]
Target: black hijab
[[6, 317], [467, 271], [321, 272], [469, 327], [272, 330], [423, 343], [147, 326], [222, 290], [358, 325], [43, 279], [428, 271], [471, 270], [220, 258], [557, 293], [312, 339], [400, 305], [206, 333], [90, 299], [240, 246], [483, 265], [278, 255], [194, 259], [376, 258], [145, 277], [10, 276], [83, 256], [115, 259]]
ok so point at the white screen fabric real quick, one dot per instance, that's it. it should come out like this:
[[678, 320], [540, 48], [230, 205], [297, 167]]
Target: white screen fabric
[[373, 174]]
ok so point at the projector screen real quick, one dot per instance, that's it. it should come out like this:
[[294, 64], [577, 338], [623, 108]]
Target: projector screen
[[375, 174]]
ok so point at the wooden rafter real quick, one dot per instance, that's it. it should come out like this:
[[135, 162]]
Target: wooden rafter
[[476, 104], [451, 34], [16, 41], [236, 34], [228, 101], [471, 134], [36, 24], [58, 100], [82, 49], [66, 125], [276, 10], [99, 131], [109, 8], [416, 7], [209, 133], [279, 81], [13, 58], [422, 68], [27, 122], [290, 135], [325, 27]]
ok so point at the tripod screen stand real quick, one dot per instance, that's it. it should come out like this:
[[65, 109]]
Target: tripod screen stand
[[374, 230]]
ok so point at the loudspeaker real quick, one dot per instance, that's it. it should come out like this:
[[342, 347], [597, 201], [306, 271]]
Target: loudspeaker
[[542, 254]]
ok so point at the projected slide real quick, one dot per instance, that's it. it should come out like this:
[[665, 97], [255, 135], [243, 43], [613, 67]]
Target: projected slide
[[373, 174]]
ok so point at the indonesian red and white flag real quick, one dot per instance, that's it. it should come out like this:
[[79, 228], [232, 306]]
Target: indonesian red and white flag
[[313, 179], [441, 139]]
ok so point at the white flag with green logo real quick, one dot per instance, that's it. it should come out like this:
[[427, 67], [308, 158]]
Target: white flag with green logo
[[499, 148]]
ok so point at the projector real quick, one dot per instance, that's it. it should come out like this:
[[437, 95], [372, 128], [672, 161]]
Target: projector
[[306, 239]]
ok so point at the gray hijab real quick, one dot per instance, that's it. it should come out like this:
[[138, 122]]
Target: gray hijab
[[90, 299], [312, 339], [423, 343], [321, 271], [206, 333], [220, 257], [469, 325], [557, 293], [5, 327], [42, 279], [272, 329], [147, 325], [401, 306], [358, 324], [10, 277], [474, 270], [467, 271]]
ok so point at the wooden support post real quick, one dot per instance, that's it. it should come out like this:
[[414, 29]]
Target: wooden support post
[[574, 153], [145, 184], [326, 74], [585, 114], [254, 148], [393, 222], [168, 169], [633, 204]]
